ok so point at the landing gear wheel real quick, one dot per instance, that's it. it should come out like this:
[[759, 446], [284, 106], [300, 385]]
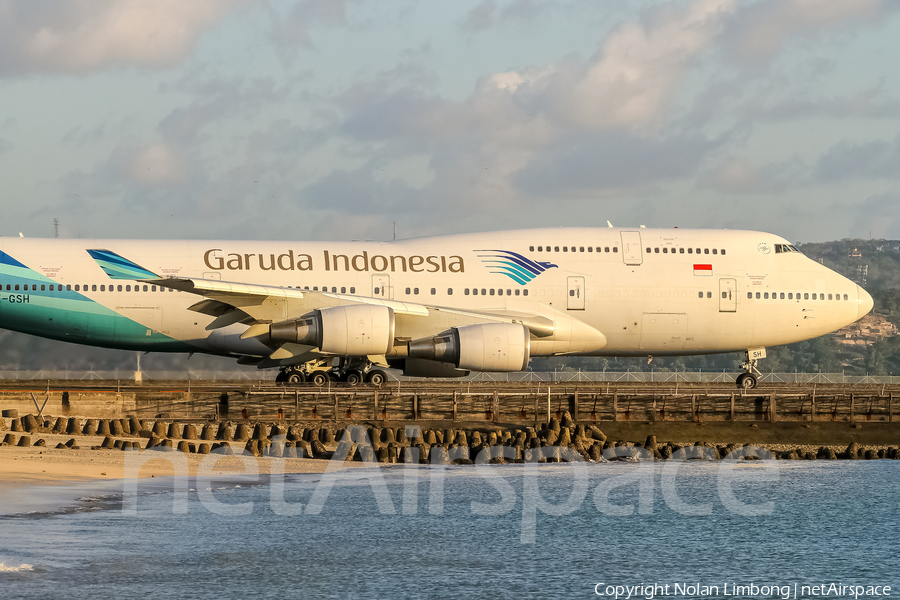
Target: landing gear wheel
[[746, 381], [296, 378], [281, 377], [319, 378], [377, 378], [353, 378]]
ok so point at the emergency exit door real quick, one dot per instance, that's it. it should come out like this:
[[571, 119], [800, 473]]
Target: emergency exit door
[[631, 248], [727, 295], [576, 293], [381, 287]]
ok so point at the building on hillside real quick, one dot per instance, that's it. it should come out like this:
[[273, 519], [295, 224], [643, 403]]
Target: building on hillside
[[855, 253], [871, 328]]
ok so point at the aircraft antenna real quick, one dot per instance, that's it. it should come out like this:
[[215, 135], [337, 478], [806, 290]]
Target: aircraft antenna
[[56, 227]]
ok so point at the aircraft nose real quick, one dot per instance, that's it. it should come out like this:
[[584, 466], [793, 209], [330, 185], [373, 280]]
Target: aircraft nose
[[865, 303]]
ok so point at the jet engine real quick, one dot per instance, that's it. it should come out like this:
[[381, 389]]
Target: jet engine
[[492, 347], [352, 330]]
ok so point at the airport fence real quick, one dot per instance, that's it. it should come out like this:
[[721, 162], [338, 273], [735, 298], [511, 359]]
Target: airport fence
[[252, 375]]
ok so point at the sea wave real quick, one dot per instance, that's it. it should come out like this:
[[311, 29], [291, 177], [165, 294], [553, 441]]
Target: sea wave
[[4, 568]]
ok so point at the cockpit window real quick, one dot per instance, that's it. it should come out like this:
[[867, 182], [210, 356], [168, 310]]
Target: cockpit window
[[781, 248]]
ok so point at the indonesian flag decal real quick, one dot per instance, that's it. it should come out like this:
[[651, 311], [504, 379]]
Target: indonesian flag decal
[[703, 270]]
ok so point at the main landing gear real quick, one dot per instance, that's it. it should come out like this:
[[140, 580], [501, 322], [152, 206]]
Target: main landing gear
[[349, 370], [748, 379]]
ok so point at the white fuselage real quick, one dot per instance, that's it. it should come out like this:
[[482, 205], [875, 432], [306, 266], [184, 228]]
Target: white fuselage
[[647, 291]]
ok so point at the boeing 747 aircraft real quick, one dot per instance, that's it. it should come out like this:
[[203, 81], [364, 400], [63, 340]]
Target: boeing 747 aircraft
[[432, 307]]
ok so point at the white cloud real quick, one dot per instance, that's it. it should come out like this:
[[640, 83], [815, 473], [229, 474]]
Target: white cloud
[[85, 36], [760, 29]]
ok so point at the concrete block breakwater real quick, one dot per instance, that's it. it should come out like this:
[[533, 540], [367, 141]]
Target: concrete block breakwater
[[558, 440]]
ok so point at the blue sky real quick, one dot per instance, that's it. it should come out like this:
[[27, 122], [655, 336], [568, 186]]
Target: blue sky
[[332, 119]]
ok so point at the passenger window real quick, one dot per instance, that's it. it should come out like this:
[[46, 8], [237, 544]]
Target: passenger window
[[615, 248], [725, 294], [531, 248], [334, 290], [665, 250], [556, 248], [829, 296], [119, 288], [524, 292], [474, 291], [565, 248], [806, 296], [590, 248], [573, 248], [766, 296], [782, 295], [94, 288], [375, 291], [572, 293], [681, 251], [698, 250], [648, 250], [517, 292], [77, 288], [845, 296], [500, 292], [758, 295], [690, 250], [483, 292], [656, 250], [416, 291], [581, 248], [433, 291], [723, 251], [352, 290], [52, 287], [706, 251], [715, 251], [43, 287], [749, 295], [814, 297], [790, 296], [699, 294], [466, 292], [69, 287], [408, 291], [709, 294], [606, 249], [492, 291], [540, 248]]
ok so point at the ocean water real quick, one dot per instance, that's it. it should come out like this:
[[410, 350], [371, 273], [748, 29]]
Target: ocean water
[[500, 531]]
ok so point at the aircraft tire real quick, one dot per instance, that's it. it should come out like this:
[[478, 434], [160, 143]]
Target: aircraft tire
[[319, 378], [296, 378], [377, 377], [353, 377], [746, 381]]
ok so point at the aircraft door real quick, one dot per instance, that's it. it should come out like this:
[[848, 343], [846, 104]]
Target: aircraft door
[[727, 295], [631, 248], [381, 287], [575, 300]]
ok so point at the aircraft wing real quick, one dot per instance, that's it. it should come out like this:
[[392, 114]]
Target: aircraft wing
[[258, 306]]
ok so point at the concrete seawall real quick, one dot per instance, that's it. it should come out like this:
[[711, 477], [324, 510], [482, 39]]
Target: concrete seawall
[[788, 413]]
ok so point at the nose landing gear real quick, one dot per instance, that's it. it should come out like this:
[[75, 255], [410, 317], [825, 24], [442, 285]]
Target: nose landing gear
[[748, 379]]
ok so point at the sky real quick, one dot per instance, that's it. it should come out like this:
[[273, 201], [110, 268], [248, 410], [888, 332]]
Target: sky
[[337, 119]]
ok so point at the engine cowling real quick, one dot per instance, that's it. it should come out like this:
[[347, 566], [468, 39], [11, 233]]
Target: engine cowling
[[420, 367], [491, 347], [353, 330]]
